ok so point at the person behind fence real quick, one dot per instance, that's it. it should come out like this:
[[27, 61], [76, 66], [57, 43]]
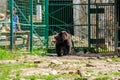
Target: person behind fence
[[2, 17], [7, 20], [7, 26], [16, 26]]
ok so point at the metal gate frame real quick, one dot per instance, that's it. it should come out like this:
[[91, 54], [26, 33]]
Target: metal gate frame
[[98, 11], [30, 23], [47, 29], [101, 41]]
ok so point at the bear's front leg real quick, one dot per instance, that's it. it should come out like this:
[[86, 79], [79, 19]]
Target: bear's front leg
[[67, 47], [66, 50], [58, 50]]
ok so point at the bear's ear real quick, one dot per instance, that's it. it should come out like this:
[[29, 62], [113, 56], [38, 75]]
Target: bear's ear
[[64, 32]]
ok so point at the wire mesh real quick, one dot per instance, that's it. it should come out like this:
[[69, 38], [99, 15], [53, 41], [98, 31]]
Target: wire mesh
[[72, 16], [23, 12]]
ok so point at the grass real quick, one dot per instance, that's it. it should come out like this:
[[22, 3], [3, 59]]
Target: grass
[[103, 78], [39, 51], [100, 73], [51, 77], [116, 59], [12, 71], [108, 76], [90, 71], [115, 73], [7, 55], [7, 69]]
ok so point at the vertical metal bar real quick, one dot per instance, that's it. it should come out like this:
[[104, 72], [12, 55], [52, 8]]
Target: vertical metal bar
[[11, 24], [31, 27], [89, 23], [46, 21], [97, 25], [116, 25]]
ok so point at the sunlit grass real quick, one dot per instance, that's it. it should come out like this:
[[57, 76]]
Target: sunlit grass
[[51, 77]]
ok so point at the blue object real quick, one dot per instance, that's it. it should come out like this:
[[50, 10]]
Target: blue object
[[15, 19]]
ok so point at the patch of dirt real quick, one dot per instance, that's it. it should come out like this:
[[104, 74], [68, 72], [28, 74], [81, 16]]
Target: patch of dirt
[[89, 67], [7, 61]]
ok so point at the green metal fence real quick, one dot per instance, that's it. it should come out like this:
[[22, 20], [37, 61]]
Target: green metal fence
[[92, 23], [103, 27], [35, 14], [33, 18]]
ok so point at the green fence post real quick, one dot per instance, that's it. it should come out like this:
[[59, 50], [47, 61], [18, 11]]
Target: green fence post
[[116, 27], [11, 24], [97, 27], [46, 21], [89, 23], [31, 27]]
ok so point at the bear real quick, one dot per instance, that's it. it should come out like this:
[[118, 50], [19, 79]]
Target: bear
[[63, 42]]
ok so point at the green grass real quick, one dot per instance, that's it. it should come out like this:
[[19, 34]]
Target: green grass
[[13, 70], [108, 76], [115, 73], [7, 55], [116, 59], [100, 73], [89, 70], [103, 78], [51, 77], [39, 51], [7, 69]]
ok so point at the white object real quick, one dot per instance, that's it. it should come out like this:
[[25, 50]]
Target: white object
[[39, 13]]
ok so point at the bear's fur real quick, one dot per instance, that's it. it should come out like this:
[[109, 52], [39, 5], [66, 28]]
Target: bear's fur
[[63, 42]]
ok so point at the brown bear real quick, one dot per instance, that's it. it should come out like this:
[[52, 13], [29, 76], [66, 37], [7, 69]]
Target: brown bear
[[63, 42]]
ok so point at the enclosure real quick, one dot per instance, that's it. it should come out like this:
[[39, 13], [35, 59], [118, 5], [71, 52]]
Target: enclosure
[[32, 19], [93, 24]]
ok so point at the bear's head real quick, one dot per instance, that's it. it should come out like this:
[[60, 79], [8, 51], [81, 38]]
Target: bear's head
[[61, 36]]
